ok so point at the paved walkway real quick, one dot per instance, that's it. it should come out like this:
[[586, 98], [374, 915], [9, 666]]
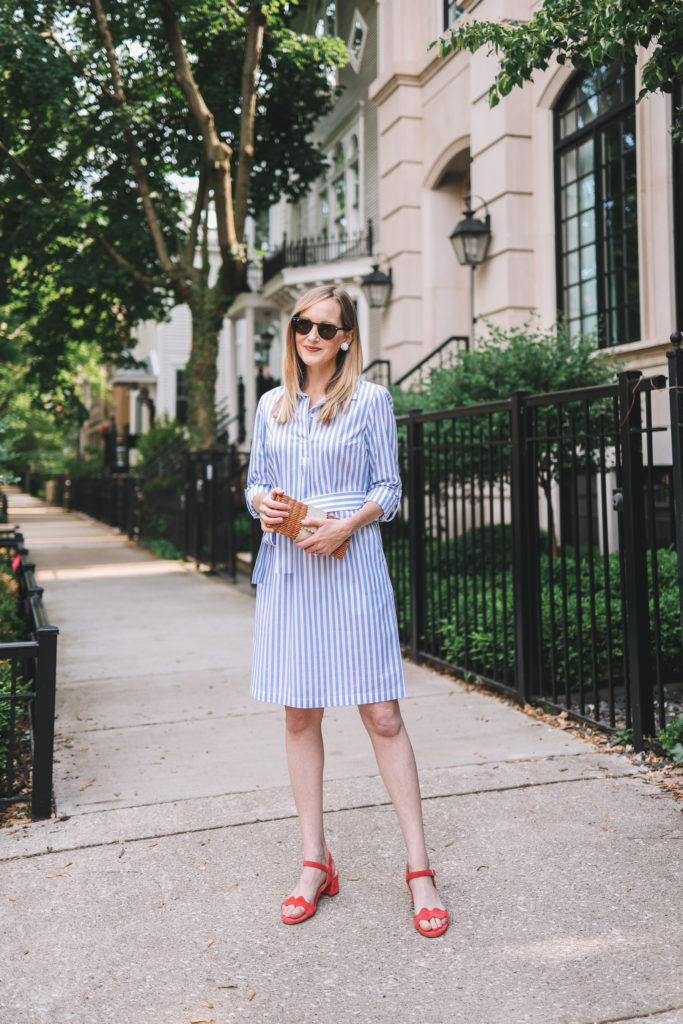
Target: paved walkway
[[153, 896]]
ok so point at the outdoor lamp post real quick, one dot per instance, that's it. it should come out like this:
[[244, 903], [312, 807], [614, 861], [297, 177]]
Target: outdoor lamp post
[[470, 240], [376, 286]]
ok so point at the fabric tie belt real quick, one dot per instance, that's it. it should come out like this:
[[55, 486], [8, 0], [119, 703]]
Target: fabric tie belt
[[281, 549]]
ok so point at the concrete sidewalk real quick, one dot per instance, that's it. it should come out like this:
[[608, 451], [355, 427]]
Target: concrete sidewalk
[[154, 895]]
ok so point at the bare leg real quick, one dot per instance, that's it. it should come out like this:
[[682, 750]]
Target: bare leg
[[396, 762], [305, 760]]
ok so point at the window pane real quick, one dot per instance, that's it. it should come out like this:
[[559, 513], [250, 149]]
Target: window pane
[[568, 122], [589, 266], [589, 324], [572, 268], [568, 167], [587, 192], [586, 162], [587, 227], [589, 297], [574, 301], [572, 234], [570, 200]]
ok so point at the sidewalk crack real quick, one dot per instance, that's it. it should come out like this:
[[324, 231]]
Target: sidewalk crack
[[644, 1014]]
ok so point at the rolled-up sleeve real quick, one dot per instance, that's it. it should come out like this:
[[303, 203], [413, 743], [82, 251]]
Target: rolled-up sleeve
[[257, 477], [384, 486]]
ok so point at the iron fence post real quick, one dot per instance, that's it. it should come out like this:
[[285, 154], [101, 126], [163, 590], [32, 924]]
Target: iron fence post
[[416, 532], [524, 512], [44, 721], [675, 358], [636, 591]]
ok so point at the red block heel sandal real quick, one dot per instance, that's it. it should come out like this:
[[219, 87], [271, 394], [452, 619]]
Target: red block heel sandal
[[330, 887], [425, 914]]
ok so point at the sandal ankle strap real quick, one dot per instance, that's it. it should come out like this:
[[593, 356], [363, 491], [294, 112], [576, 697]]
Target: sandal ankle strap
[[314, 864], [420, 874]]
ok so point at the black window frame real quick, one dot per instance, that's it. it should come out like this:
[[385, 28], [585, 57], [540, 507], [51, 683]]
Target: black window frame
[[593, 131]]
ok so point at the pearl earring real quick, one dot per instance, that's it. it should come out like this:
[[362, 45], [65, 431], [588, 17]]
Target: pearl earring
[[344, 346]]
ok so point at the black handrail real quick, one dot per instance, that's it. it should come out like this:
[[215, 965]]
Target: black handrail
[[434, 352], [379, 362]]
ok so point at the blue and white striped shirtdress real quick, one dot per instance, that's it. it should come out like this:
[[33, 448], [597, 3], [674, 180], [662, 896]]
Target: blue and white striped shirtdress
[[325, 632]]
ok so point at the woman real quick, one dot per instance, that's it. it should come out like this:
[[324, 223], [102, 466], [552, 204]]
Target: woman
[[328, 438]]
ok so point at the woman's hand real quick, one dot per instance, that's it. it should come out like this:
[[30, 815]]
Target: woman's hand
[[271, 511], [330, 535]]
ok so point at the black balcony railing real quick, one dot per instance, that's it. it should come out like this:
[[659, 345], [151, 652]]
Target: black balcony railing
[[326, 248]]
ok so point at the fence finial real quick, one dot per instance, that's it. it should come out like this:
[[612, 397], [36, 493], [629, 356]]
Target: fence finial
[[676, 338]]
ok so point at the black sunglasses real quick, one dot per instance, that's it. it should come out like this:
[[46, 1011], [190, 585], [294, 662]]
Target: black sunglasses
[[326, 331]]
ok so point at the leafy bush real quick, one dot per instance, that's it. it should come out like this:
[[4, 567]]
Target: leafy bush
[[11, 631], [571, 652], [21, 686], [161, 547], [671, 739], [163, 435], [526, 358], [243, 528], [11, 626]]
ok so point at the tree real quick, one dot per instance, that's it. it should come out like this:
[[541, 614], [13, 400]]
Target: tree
[[128, 131], [583, 33]]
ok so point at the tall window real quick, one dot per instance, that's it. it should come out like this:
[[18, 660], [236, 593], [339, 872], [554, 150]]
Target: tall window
[[596, 198]]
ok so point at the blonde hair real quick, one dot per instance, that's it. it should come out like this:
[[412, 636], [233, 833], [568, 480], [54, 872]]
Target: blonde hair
[[349, 367]]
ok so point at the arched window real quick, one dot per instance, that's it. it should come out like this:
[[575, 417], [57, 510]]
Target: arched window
[[596, 205]]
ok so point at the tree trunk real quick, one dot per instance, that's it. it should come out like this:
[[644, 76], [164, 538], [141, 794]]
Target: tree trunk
[[202, 370], [208, 306]]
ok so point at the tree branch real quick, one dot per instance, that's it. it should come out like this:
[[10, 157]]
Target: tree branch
[[173, 271], [50, 37], [250, 72], [218, 153], [196, 215], [114, 254]]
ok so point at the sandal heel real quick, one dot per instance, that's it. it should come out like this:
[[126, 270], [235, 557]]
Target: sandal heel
[[333, 888]]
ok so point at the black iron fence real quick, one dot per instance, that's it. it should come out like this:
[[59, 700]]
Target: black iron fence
[[27, 691], [192, 500], [539, 547]]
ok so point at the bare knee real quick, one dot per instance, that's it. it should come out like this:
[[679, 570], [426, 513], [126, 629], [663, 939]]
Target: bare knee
[[300, 720], [382, 720]]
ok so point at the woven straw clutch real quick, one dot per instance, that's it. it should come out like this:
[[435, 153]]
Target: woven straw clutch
[[291, 526]]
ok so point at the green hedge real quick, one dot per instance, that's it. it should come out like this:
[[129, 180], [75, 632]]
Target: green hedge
[[12, 630], [601, 589]]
